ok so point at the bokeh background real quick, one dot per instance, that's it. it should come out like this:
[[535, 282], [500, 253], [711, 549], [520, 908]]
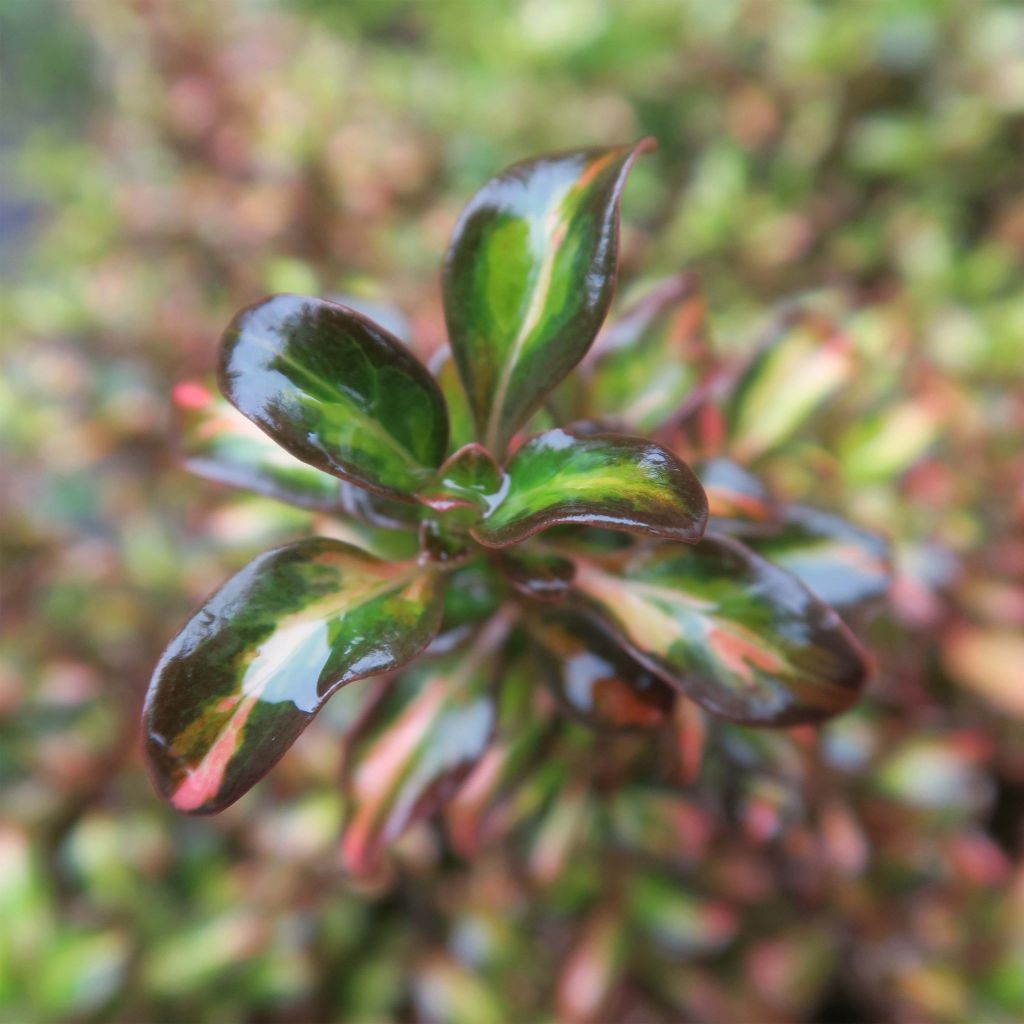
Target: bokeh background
[[166, 161]]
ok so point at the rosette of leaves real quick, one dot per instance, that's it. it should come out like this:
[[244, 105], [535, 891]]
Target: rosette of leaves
[[505, 522]]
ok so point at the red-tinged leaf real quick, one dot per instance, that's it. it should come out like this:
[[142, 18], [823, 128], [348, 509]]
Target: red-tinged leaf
[[249, 670], [595, 679], [622, 483], [220, 444], [528, 279], [488, 805], [735, 494], [804, 360], [337, 391], [589, 975], [467, 480], [742, 637], [644, 364], [437, 725]]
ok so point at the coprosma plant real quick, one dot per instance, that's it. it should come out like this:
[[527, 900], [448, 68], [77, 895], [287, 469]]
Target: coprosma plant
[[489, 534]]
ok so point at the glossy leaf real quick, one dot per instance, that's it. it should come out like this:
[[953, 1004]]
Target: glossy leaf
[[647, 361], [622, 483], [337, 391], [222, 445], [439, 725], [253, 666], [804, 361], [528, 279], [742, 637], [466, 481], [595, 679], [842, 564]]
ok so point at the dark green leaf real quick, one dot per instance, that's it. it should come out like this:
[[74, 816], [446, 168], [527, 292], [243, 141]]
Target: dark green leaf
[[742, 637], [622, 483], [337, 391], [254, 665], [528, 279]]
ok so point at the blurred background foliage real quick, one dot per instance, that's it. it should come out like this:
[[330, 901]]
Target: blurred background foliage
[[166, 161]]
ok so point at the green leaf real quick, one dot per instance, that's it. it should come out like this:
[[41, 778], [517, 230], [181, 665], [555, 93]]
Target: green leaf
[[473, 593], [528, 279], [436, 726], [460, 419], [223, 446], [804, 360], [337, 391], [682, 923], [465, 482], [842, 564], [740, 636], [623, 483], [645, 363], [253, 666], [595, 679]]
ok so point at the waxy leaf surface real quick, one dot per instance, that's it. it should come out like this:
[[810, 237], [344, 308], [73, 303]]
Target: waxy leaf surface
[[742, 637], [528, 279], [647, 361], [337, 391], [623, 483], [258, 660], [222, 445], [465, 482], [434, 729], [842, 564]]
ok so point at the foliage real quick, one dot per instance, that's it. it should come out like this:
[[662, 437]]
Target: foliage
[[529, 272], [860, 156]]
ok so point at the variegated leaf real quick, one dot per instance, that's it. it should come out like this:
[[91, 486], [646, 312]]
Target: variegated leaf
[[337, 391], [622, 483], [253, 666], [742, 637], [528, 279]]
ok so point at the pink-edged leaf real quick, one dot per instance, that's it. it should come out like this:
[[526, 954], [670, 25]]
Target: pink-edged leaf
[[742, 637], [435, 727], [253, 666]]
